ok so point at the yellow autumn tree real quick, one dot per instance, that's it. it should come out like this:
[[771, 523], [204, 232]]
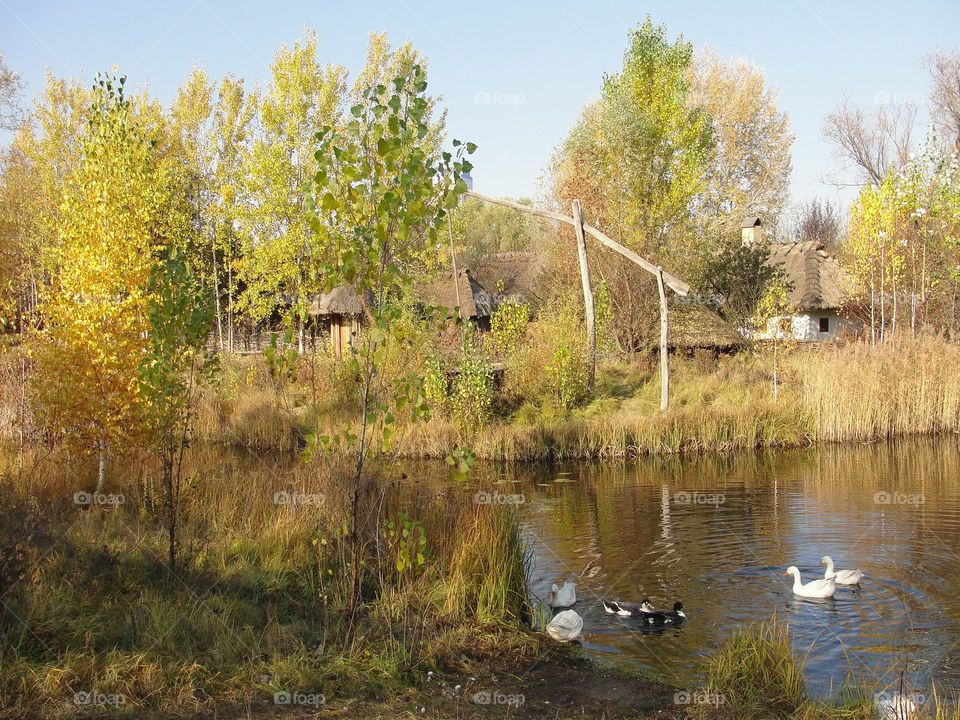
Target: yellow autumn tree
[[42, 153], [95, 309], [748, 171]]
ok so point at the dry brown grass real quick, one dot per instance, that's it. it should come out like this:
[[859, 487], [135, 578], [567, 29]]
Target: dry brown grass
[[828, 393], [862, 392]]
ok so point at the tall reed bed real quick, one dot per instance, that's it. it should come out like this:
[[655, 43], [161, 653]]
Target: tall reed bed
[[829, 392], [861, 392]]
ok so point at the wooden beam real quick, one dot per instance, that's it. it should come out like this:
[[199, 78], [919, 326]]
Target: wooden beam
[[675, 284], [664, 349], [587, 295]]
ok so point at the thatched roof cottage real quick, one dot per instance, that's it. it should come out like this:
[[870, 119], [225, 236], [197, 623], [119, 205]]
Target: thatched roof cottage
[[816, 290], [467, 294], [341, 310]]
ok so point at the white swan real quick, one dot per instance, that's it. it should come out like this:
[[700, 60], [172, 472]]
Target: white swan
[[564, 595], [565, 626], [841, 577], [818, 589]]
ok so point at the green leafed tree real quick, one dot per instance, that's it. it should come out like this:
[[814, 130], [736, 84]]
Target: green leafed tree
[[280, 264], [637, 160], [380, 197], [180, 313]]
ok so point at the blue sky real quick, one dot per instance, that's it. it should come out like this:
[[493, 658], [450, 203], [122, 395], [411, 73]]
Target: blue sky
[[514, 75]]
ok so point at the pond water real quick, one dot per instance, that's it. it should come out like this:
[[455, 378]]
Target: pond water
[[718, 534]]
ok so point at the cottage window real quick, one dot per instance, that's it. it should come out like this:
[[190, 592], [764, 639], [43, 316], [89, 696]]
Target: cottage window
[[824, 324]]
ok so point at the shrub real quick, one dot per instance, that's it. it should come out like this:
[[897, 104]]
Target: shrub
[[508, 326], [566, 377], [550, 368], [435, 385], [472, 395]]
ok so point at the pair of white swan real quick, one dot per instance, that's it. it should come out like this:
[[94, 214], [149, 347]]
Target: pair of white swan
[[821, 589], [567, 625]]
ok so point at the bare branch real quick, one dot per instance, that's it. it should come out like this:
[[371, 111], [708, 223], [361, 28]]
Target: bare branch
[[872, 145], [945, 95]]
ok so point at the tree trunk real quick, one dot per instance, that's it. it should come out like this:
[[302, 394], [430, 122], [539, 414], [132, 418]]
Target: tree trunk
[[588, 310], [216, 291], [171, 515], [453, 262], [664, 349], [230, 305], [776, 382], [102, 469]]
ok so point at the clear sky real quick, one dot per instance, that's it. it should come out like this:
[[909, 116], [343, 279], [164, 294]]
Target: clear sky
[[514, 75]]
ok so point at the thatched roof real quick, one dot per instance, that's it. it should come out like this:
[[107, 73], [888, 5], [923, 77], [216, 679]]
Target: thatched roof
[[815, 276], [513, 275], [342, 300], [693, 326], [474, 300], [751, 221]]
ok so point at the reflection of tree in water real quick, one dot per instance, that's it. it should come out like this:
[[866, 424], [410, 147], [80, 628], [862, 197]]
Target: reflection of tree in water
[[781, 508]]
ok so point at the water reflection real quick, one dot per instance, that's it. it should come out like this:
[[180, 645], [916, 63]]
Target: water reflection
[[718, 533]]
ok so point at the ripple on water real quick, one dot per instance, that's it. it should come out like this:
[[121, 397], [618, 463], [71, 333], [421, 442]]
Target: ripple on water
[[656, 532]]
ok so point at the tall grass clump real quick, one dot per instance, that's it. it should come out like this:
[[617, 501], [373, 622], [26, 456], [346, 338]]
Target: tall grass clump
[[859, 391], [756, 674], [486, 577]]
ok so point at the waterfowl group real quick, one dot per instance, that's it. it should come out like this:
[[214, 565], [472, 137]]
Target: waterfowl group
[[646, 612], [822, 589], [567, 625]]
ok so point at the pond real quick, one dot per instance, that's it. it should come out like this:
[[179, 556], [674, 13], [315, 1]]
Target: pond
[[718, 533]]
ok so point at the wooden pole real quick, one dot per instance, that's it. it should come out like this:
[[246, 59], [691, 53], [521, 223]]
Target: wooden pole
[[664, 350], [453, 260], [587, 295], [663, 278]]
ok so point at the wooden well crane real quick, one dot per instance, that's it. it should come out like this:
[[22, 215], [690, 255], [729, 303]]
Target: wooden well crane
[[664, 280]]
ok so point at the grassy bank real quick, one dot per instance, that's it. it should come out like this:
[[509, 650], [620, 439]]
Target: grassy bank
[[95, 624], [253, 624], [850, 392], [826, 393]]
